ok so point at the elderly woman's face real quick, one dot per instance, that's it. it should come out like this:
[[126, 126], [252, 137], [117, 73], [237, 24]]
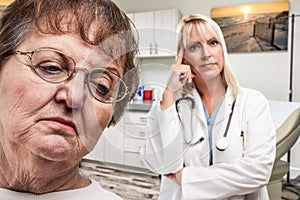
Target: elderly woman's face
[[54, 121]]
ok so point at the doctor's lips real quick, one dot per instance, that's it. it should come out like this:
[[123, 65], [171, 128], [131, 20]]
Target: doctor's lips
[[62, 123], [208, 64]]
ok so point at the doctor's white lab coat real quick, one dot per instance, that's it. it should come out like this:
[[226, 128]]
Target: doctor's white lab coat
[[239, 172]]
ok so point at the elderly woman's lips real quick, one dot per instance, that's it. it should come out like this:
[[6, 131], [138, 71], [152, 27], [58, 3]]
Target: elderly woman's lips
[[62, 123]]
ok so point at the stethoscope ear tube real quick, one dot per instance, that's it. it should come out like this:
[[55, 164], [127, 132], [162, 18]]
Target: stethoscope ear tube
[[184, 107], [186, 98]]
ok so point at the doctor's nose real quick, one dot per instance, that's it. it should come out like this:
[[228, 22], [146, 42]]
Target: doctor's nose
[[205, 54], [72, 92]]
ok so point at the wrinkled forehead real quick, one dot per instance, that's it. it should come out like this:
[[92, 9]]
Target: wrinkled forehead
[[97, 33]]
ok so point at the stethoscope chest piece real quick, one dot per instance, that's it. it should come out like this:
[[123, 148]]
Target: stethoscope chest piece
[[222, 143]]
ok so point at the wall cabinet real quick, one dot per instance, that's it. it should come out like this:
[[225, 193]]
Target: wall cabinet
[[157, 32], [122, 143]]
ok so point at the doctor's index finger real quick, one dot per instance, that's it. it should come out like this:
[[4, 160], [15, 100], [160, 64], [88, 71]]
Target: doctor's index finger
[[179, 57]]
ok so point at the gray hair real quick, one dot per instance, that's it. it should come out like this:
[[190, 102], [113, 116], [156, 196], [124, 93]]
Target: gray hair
[[69, 16]]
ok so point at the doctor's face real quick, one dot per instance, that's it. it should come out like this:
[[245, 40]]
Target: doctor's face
[[53, 121], [204, 52]]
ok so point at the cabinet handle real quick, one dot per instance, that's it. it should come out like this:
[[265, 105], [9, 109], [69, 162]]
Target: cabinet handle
[[143, 118], [139, 148], [150, 50], [156, 48]]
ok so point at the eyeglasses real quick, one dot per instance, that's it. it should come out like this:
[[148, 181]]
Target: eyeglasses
[[53, 66]]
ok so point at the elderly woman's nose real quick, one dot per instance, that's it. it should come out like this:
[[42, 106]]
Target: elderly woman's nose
[[72, 92]]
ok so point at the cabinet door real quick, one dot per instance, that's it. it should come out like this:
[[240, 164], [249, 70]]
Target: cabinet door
[[165, 23], [114, 143], [98, 152], [144, 22], [135, 125], [133, 145], [133, 159]]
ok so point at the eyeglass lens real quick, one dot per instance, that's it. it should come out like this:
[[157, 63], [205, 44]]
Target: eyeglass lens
[[54, 66]]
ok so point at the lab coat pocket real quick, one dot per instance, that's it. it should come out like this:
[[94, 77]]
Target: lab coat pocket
[[235, 148], [196, 154]]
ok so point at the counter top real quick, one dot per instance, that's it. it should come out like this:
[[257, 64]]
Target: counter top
[[145, 106]]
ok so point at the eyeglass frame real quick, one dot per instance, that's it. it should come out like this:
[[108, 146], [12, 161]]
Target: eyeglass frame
[[69, 76]]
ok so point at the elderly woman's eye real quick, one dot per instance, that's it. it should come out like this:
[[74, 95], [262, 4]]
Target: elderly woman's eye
[[102, 87], [50, 68], [102, 90]]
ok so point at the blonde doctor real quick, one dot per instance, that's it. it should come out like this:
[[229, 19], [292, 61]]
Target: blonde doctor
[[210, 138]]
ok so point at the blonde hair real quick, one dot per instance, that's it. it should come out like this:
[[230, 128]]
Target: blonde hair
[[184, 29]]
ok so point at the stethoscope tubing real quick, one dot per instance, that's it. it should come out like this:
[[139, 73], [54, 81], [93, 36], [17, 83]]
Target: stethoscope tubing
[[229, 120], [222, 143]]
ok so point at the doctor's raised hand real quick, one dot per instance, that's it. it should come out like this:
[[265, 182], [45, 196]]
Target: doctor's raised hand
[[67, 71], [180, 74], [207, 136]]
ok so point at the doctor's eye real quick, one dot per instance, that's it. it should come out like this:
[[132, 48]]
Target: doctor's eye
[[194, 47], [213, 42]]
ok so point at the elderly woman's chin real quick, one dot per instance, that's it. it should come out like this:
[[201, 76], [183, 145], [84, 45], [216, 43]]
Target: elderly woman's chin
[[57, 148]]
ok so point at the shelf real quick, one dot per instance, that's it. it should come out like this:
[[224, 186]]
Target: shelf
[[156, 56], [139, 107]]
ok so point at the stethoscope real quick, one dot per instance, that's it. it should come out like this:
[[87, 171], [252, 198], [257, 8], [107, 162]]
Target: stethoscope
[[184, 107]]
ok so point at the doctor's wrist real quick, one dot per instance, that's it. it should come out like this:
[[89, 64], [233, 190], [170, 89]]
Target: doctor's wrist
[[168, 99]]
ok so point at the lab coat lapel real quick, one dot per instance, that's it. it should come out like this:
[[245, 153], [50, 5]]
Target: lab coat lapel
[[198, 120], [199, 108], [225, 110], [201, 129]]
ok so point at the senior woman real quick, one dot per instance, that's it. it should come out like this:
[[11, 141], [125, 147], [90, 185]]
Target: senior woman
[[220, 142], [67, 72]]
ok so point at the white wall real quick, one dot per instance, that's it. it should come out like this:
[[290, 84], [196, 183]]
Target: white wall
[[265, 71]]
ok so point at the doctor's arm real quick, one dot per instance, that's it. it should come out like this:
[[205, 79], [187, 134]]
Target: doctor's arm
[[244, 175], [163, 148]]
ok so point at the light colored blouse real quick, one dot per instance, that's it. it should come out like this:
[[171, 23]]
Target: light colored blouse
[[92, 192]]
